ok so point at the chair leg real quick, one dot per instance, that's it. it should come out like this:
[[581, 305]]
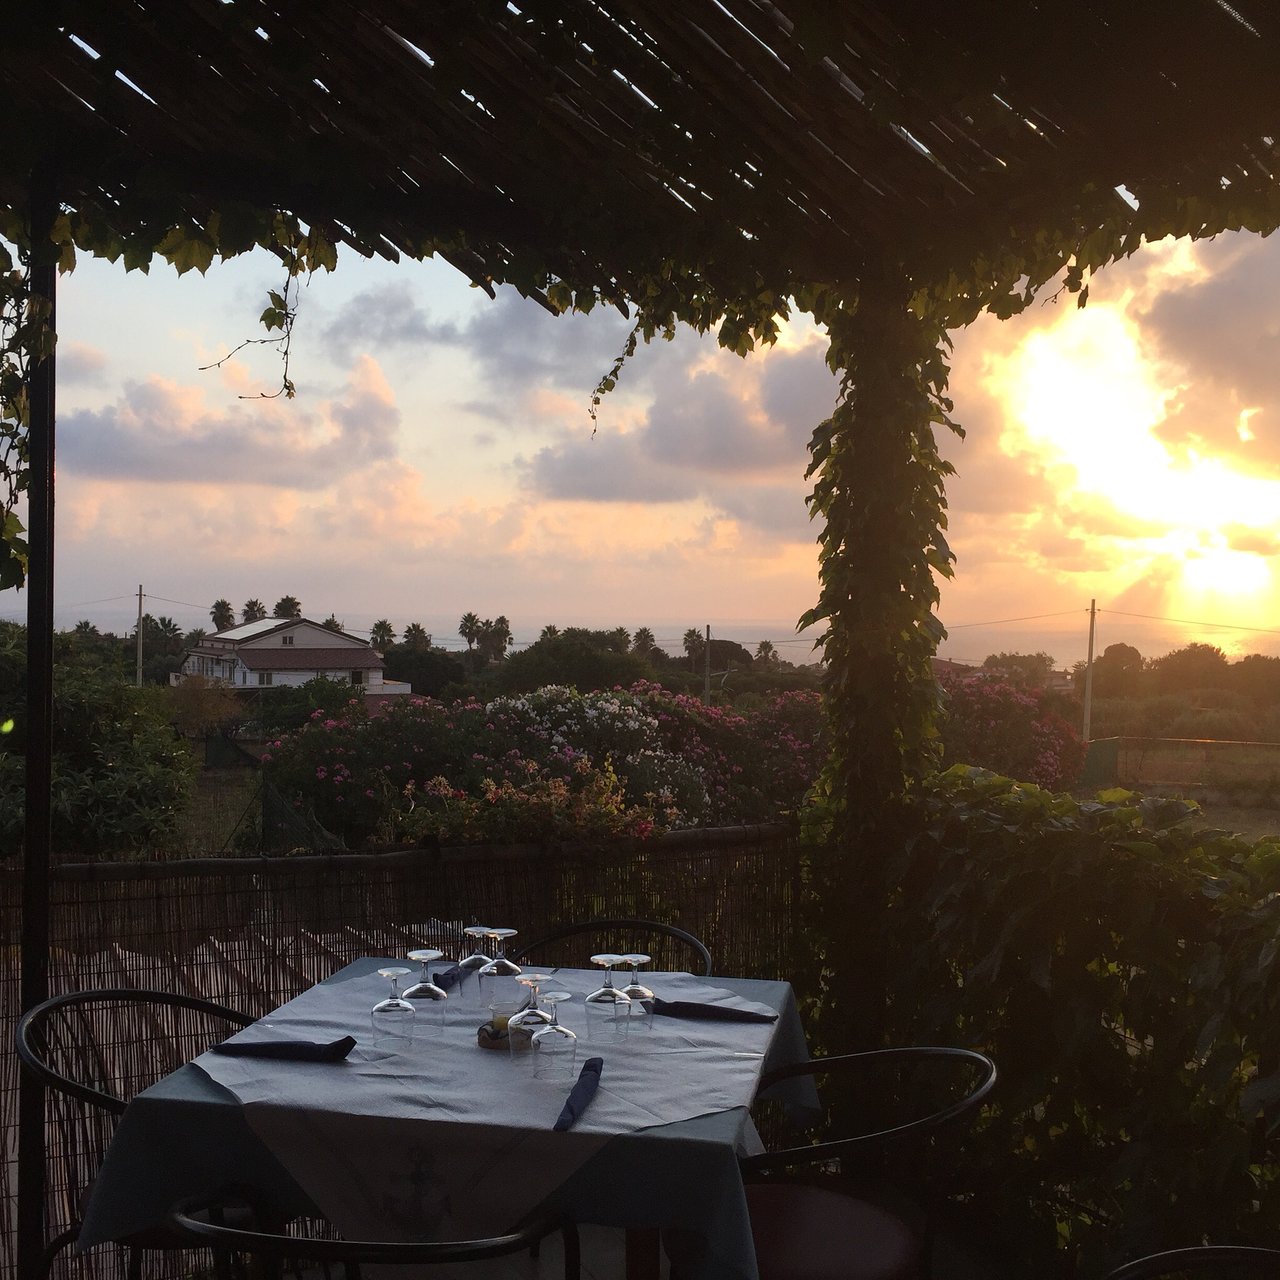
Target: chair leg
[[55, 1247], [572, 1251]]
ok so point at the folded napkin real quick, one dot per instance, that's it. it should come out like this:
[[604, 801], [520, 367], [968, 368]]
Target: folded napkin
[[448, 978], [580, 1095], [288, 1050], [709, 1012]]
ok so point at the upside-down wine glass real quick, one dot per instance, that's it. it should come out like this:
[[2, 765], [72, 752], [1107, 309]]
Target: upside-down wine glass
[[500, 966], [471, 965], [556, 1046], [392, 1018], [640, 1011], [522, 1026], [477, 959], [429, 999], [606, 1004]]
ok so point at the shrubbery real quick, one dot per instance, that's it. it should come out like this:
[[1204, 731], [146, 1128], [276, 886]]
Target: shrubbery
[[549, 764], [1120, 965], [995, 725], [121, 776]]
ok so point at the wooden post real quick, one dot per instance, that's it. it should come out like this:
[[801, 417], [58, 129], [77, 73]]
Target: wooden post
[[39, 753]]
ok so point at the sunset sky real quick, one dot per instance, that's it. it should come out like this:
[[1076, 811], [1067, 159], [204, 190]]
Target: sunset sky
[[439, 458]]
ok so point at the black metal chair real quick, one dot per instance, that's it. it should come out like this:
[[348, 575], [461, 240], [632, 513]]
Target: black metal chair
[[101, 1047], [234, 1248], [837, 1227], [617, 931], [1228, 1261]]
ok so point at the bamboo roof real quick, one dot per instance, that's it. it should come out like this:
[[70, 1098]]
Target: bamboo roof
[[601, 141]]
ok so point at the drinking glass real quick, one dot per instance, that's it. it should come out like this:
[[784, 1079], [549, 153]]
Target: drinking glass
[[477, 959], [500, 966], [469, 993], [606, 1004], [429, 999], [499, 972], [522, 1026], [504, 1004], [556, 1046], [640, 1010], [392, 1018]]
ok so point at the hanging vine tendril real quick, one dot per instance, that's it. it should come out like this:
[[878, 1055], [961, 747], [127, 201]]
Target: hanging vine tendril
[[24, 337], [280, 313]]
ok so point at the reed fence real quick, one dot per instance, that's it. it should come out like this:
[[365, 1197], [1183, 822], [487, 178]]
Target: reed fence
[[254, 932]]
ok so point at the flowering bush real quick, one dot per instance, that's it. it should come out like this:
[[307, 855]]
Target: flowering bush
[[589, 804], [993, 725], [550, 764]]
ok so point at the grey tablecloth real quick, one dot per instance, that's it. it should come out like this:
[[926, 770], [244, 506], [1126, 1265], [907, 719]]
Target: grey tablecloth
[[449, 1139]]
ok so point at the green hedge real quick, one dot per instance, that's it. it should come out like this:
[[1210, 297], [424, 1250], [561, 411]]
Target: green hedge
[[1120, 964]]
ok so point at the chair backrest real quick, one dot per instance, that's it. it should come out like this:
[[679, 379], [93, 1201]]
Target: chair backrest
[[981, 1069], [1228, 1261], [102, 1047], [94, 1050], [204, 1224], [671, 947]]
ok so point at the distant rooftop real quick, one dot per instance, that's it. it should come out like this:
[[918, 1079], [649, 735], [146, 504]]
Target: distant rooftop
[[246, 630]]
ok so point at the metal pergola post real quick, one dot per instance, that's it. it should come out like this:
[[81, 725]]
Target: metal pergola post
[[39, 747]]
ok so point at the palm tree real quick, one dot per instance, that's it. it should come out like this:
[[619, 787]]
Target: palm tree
[[222, 615], [501, 634], [549, 632], [383, 635], [766, 654], [287, 607], [85, 630], [469, 629], [693, 643], [493, 638], [254, 611], [416, 636], [169, 632], [643, 643]]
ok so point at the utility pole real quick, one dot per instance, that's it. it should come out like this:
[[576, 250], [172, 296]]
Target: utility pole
[[1088, 670], [139, 644], [706, 669]]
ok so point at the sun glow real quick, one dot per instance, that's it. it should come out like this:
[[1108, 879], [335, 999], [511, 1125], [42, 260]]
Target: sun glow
[[1084, 401]]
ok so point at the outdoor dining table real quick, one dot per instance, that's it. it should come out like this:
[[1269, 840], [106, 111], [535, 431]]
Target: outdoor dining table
[[443, 1139]]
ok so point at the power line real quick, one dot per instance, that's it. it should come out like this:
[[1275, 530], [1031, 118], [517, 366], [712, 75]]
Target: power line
[[1190, 622], [1031, 617], [80, 604], [146, 595]]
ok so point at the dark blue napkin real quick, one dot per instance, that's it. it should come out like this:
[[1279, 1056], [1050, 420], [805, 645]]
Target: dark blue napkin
[[288, 1050], [708, 1012], [580, 1095], [448, 978]]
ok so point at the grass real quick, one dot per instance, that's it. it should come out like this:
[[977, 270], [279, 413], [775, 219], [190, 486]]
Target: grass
[[217, 805]]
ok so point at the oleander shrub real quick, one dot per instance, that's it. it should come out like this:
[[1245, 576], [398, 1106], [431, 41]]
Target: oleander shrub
[[993, 724], [1120, 964], [547, 765]]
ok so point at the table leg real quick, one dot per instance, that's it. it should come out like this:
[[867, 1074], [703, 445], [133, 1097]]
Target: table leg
[[643, 1253]]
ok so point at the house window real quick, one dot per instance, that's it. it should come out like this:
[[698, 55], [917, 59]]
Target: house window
[[264, 677], [357, 677], [286, 639]]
